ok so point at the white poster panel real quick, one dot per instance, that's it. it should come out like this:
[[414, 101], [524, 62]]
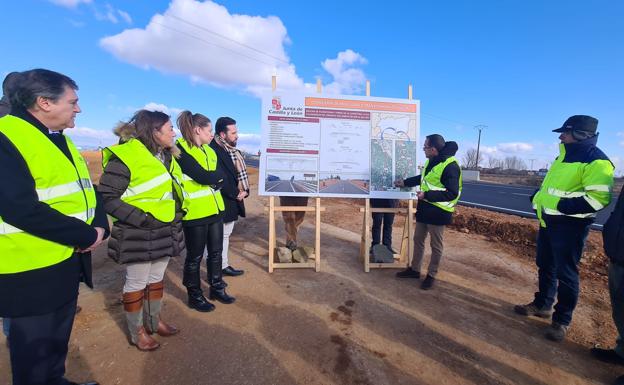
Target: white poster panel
[[337, 146]]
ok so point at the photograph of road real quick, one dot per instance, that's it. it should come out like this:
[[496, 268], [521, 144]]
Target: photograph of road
[[344, 184], [306, 182]]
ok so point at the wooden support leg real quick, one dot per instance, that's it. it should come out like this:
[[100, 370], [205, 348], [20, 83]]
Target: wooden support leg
[[271, 232], [366, 236], [410, 232], [317, 246]]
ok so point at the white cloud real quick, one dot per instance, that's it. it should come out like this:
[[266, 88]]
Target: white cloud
[[248, 142], [69, 3], [171, 111], [125, 16], [91, 137], [620, 134], [112, 14], [514, 147], [347, 78], [204, 41], [488, 150]]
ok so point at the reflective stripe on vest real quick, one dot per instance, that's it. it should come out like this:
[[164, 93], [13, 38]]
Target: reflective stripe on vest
[[151, 184], [61, 183], [565, 180], [431, 182], [202, 201]]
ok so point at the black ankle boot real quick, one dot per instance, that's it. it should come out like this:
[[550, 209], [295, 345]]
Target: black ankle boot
[[197, 301], [218, 292]]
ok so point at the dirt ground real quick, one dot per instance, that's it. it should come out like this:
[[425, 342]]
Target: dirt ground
[[344, 326]]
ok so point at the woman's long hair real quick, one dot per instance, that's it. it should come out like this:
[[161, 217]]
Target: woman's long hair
[[187, 121], [142, 126]]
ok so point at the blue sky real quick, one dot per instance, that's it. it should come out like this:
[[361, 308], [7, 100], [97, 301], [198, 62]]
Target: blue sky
[[519, 67]]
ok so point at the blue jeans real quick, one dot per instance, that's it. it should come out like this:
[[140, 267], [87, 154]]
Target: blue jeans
[[616, 291], [6, 324], [559, 250]]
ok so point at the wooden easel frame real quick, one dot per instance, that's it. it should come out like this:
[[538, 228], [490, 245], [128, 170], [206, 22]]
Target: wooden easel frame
[[401, 260], [314, 261]]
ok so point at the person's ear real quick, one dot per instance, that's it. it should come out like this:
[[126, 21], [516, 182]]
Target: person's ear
[[43, 103]]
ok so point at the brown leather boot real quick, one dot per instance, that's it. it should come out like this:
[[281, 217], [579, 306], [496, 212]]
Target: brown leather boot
[[145, 342], [154, 294], [133, 306], [166, 330]]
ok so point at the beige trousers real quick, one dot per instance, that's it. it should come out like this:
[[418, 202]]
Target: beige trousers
[[437, 246]]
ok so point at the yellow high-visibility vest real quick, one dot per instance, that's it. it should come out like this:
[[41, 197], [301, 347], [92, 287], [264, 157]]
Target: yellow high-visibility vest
[[64, 186], [201, 200], [593, 181], [431, 182], [150, 187]]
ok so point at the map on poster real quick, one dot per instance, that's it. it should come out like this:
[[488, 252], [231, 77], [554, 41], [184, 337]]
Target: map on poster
[[337, 146]]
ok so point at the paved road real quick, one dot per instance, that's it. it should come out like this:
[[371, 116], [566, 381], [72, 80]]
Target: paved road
[[510, 199], [344, 187], [288, 186]]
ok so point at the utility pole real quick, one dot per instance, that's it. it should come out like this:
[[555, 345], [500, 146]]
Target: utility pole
[[479, 127]]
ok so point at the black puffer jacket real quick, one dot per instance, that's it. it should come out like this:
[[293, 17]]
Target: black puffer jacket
[[613, 233], [136, 235]]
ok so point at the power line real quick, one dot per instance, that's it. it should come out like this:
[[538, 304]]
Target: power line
[[229, 39], [211, 43], [442, 118]]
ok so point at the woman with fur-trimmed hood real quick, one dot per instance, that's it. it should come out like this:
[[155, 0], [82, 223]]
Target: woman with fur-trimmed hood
[[141, 190]]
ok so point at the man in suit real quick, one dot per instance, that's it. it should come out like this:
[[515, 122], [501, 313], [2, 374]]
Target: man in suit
[[50, 221], [236, 184]]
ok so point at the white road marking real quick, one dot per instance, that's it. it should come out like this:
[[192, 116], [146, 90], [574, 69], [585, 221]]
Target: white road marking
[[497, 208]]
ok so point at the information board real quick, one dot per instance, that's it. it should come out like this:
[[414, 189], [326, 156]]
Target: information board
[[338, 146]]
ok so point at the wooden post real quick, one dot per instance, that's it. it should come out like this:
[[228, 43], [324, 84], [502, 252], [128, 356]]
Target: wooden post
[[410, 212], [366, 241], [271, 233]]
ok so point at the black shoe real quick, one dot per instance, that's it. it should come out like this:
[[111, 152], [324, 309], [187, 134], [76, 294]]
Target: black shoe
[[292, 245], [408, 273], [557, 332], [427, 283], [531, 309], [197, 301], [81, 383], [232, 272], [391, 249], [607, 355], [221, 296]]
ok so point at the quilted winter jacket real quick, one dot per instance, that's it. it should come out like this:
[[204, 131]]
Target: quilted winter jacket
[[137, 236]]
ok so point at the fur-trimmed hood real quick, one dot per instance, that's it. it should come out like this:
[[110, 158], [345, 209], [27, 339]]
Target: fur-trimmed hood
[[126, 131]]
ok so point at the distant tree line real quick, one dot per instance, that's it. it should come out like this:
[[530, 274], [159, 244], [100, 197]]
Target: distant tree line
[[469, 161]]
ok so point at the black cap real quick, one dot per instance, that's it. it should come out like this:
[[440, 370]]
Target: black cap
[[584, 123]]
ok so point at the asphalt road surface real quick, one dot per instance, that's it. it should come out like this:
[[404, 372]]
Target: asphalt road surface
[[287, 186], [511, 200], [344, 187]]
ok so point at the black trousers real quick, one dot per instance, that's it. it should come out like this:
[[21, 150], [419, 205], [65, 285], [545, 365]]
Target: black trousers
[[198, 238], [38, 346], [385, 219]]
